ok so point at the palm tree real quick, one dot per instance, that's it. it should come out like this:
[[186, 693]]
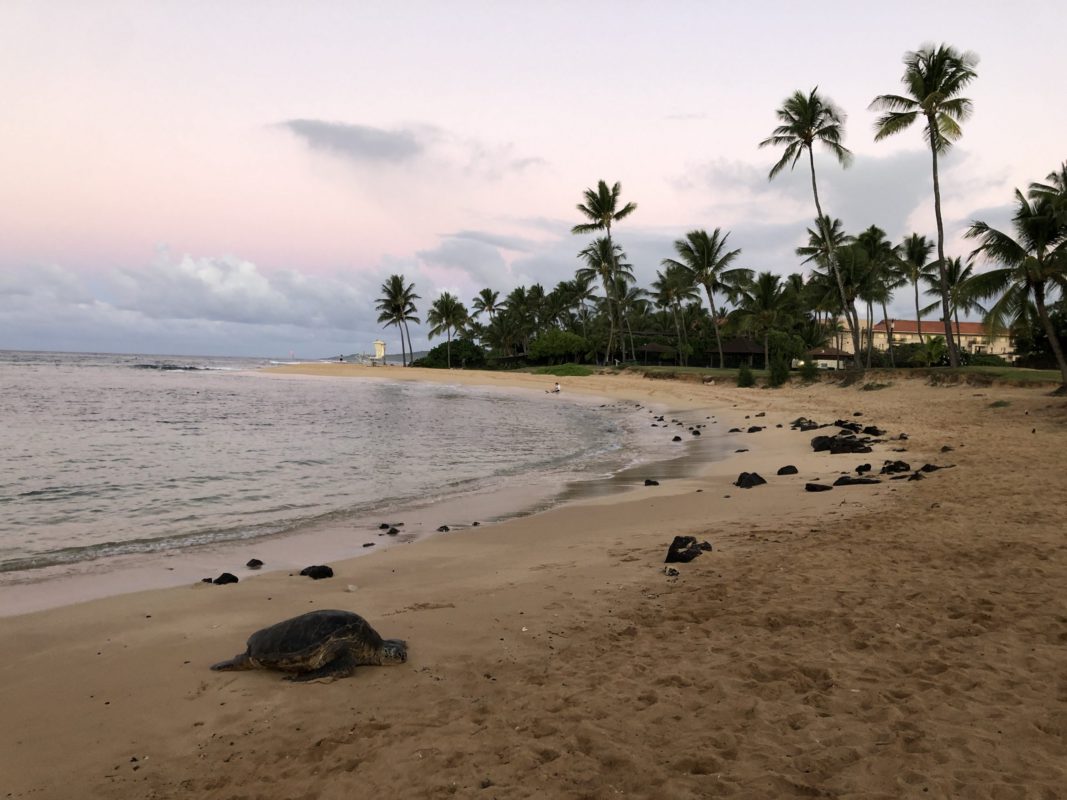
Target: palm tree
[[807, 119], [705, 258], [933, 79], [487, 301], [1033, 265], [396, 307], [670, 289], [447, 314], [765, 306], [959, 292], [1055, 191], [601, 261], [818, 246], [884, 279], [914, 266], [601, 208], [632, 300]]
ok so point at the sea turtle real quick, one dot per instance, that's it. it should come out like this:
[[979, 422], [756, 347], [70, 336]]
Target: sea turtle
[[319, 644]]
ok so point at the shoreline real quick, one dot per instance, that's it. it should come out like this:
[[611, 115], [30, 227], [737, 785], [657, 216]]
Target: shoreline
[[331, 538], [868, 641]]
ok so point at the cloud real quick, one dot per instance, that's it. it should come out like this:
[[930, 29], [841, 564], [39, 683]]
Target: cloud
[[468, 260], [360, 143], [191, 304], [884, 191], [363, 144], [496, 240]]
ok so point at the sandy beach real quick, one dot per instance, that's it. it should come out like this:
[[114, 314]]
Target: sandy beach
[[904, 639]]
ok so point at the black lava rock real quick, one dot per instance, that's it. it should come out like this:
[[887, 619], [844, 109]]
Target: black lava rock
[[682, 550], [734, 430], [254, 563], [384, 526], [224, 578], [443, 529], [788, 470], [817, 487], [650, 482], [369, 544], [317, 572], [746, 480], [863, 468], [755, 429], [893, 467], [871, 430], [841, 443], [848, 480], [676, 439], [393, 531], [696, 433]]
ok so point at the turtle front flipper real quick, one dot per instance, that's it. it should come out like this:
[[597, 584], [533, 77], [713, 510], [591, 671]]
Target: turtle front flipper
[[239, 661], [341, 667]]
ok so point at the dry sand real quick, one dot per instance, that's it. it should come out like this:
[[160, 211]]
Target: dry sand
[[901, 640]]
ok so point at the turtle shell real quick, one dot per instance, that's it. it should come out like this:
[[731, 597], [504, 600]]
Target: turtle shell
[[308, 641]]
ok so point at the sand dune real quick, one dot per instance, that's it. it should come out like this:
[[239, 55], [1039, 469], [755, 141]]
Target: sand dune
[[905, 639]]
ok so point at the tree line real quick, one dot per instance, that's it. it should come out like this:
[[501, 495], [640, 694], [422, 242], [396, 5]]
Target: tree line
[[601, 314]]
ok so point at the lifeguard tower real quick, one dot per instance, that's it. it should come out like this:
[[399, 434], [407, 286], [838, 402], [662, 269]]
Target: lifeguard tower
[[379, 354]]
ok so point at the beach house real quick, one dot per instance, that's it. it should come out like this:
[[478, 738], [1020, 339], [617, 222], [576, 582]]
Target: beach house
[[974, 337]]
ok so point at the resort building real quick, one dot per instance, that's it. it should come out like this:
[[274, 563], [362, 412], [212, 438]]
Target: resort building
[[974, 337]]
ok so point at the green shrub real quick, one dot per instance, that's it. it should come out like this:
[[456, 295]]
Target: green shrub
[[779, 372], [988, 360], [557, 344], [565, 371], [745, 378], [465, 355], [809, 371]]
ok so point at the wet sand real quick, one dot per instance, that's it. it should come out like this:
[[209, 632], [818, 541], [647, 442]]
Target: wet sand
[[902, 639]]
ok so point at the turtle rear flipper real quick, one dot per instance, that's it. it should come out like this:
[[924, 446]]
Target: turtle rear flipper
[[341, 667], [239, 661]]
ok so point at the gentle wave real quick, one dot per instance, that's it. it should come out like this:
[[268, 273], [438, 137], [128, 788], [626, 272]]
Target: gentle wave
[[113, 461]]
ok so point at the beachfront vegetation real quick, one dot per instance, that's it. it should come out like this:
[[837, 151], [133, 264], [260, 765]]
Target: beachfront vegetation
[[1029, 267], [447, 315], [933, 79], [808, 119], [706, 308], [396, 307]]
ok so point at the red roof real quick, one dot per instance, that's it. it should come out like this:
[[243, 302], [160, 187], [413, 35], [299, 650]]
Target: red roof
[[933, 327]]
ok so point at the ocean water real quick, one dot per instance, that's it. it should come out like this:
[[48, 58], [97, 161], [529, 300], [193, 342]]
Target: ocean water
[[108, 456]]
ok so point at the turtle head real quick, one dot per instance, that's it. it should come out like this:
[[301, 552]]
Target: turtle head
[[394, 651]]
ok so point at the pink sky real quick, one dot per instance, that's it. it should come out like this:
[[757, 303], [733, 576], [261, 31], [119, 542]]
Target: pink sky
[[131, 127]]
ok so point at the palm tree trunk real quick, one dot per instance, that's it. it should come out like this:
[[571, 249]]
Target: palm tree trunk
[[918, 314], [448, 347], [959, 334], [870, 332], [678, 335], [403, 351], [1050, 331], [850, 318], [715, 323], [888, 335], [411, 350], [953, 355]]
